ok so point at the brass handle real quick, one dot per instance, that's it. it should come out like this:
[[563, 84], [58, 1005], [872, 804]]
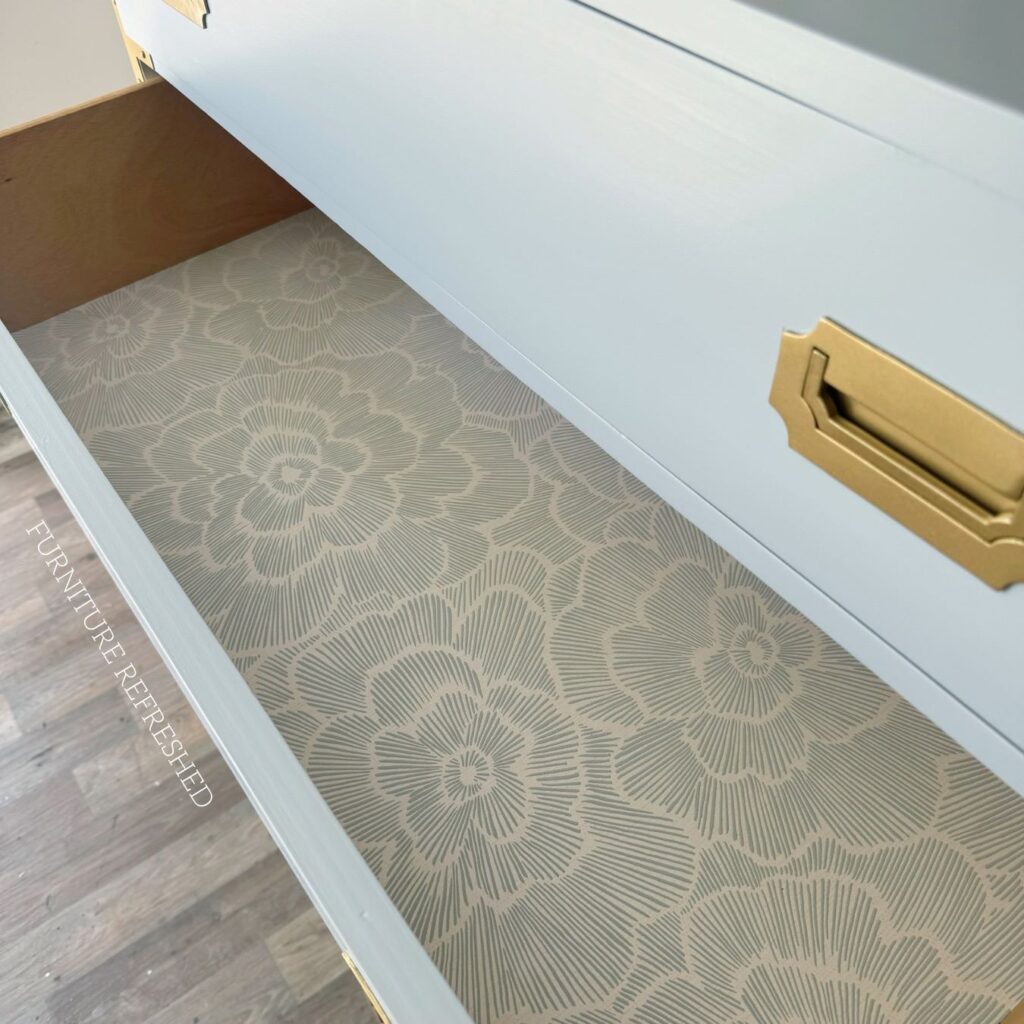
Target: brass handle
[[942, 467]]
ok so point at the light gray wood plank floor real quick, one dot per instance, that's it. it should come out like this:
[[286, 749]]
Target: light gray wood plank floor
[[120, 901]]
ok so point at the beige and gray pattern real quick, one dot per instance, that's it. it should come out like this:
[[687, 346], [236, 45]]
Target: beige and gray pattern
[[606, 774]]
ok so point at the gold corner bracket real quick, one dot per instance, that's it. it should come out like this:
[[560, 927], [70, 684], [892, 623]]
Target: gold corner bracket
[[930, 459], [141, 60], [371, 997], [194, 10]]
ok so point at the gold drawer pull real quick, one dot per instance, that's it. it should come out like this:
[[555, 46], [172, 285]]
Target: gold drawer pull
[[941, 466]]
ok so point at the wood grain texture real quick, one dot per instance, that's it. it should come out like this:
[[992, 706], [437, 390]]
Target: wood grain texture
[[9, 730], [119, 900], [305, 956], [117, 189]]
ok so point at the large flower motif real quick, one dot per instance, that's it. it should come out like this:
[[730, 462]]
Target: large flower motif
[[831, 935], [581, 498], [289, 491], [809, 948], [290, 468], [985, 818], [734, 710], [304, 281], [460, 774], [488, 394], [127, 358]]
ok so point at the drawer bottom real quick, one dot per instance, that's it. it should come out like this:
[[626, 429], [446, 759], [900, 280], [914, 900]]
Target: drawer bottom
[[604, 772]]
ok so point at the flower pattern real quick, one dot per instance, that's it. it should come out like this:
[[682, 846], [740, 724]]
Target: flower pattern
[[813, 944], [487, 393], [448, 758], [734, 710], [280, 290], [289, 490], [129, 358], [605, 773]]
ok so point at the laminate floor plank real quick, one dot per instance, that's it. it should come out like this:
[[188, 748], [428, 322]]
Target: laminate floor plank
[[151, 892], [63, 683], [167, 962], [22, 477], [30, 608], [32, 649], [130, 768], [22, 578], [121, 902], [107, 844], [32, 851], [248, 990], [12, 441], [36, 759], [341, 1000], [306, 961], [9, 730]]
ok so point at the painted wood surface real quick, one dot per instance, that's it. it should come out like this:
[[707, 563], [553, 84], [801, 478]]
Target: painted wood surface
[[667, 220], [972, 47], [977, 137]]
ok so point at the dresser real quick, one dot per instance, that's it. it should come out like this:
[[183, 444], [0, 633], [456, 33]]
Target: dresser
[[570, 456]]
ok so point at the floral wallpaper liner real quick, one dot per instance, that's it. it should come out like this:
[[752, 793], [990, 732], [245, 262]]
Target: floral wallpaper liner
[[605, 773]]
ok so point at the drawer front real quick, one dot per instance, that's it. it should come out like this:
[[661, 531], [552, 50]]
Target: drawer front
[[976, 136], [668, 220]]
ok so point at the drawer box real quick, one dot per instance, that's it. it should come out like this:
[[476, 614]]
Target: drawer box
[[664, 753], [669, 220]]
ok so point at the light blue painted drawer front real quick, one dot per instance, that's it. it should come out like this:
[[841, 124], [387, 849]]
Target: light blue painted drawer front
[[667, 220], [979, 137]]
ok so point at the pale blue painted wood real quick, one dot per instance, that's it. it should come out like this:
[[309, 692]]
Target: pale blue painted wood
[[977, 137], [972, 44]]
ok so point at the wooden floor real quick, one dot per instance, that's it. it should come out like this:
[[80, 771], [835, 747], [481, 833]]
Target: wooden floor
[[121, 902]]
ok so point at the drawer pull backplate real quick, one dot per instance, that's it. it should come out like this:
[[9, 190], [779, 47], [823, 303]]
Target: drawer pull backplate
[[194, 10], [941, 466]]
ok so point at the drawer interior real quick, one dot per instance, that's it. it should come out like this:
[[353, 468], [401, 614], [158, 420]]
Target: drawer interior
[[104, 194], [603, 771]]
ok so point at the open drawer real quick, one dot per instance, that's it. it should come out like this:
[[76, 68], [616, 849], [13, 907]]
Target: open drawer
[[530, 740], [631, 229]]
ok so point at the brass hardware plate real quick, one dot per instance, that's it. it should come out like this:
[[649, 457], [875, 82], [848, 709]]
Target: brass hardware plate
[[141, 60], [194, 10], [941, 466], [367, 991]]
